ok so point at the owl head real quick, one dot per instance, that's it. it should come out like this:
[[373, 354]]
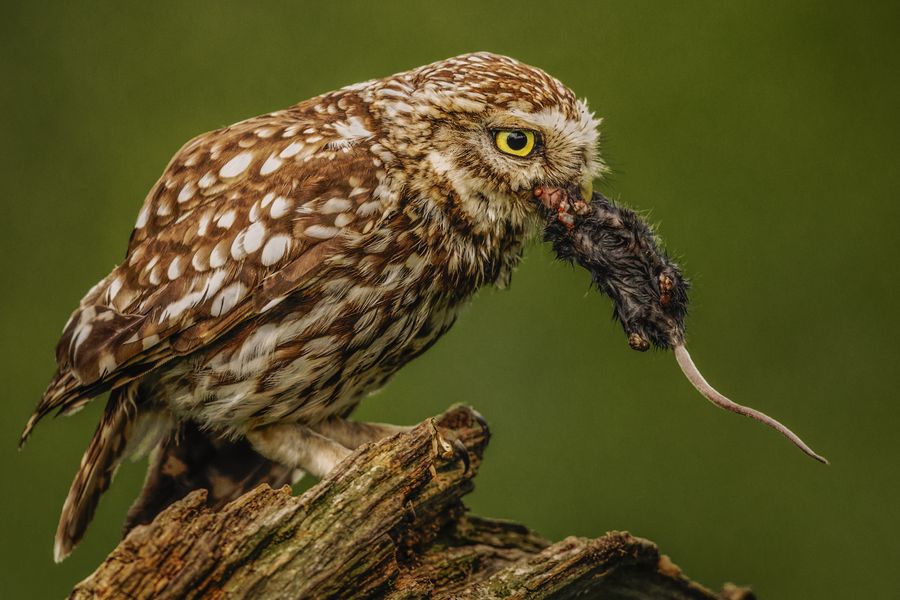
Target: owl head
[[481, 131]]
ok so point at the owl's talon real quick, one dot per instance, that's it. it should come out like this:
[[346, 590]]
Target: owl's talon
[[482, 422], [463, 453]]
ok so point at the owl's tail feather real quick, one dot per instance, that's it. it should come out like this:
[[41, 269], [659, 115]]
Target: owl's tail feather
[[191, 458], [98, 466], [184, 458]]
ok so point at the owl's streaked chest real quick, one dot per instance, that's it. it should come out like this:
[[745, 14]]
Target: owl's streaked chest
[[320, 351]]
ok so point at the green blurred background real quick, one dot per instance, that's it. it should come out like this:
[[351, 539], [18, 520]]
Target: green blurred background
[[761, 136]]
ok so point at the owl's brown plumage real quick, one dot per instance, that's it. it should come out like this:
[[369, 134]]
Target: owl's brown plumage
[[284, 267]]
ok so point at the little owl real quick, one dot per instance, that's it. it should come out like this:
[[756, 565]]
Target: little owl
[[283, 268]]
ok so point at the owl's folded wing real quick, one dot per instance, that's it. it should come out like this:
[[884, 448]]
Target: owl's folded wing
[[240, 218]]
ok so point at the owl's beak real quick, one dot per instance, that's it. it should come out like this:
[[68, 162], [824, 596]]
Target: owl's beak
[[587, 191]]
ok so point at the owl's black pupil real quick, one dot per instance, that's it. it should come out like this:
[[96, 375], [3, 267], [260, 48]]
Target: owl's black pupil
[[516, 140]]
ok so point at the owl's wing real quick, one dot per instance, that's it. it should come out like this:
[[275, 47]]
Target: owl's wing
[[240, 218]]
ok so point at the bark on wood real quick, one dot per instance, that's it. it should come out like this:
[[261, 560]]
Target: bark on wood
[[388, 523]]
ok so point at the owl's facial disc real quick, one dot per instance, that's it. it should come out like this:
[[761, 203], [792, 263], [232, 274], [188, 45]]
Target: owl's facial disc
[[520, 155], [524, 143], [553, 146]]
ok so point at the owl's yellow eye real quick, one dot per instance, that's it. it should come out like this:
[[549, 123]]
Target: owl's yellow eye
[[518, 142]]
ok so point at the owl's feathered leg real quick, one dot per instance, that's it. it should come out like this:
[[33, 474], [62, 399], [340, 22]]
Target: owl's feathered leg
[[190, 458], [298, 447], [354, 434]]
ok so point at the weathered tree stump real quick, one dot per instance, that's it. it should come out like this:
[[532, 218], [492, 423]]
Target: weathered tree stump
[[388, 523]]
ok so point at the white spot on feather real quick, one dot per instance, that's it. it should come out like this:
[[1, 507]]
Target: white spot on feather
[[219, 254], [207, 180], [177, 308], [353, 130], [291, 150], [369, 209], [320, 232], [142, 218], [254, 212], [237, 247], [203, 225], [344, 219], [227, 299], [236, 165], [280, 207], [176, 268], [114, 288], [214, 282], [226, 220], [253, 237], [275, 249], [336, 205], [271, 165], [186, 193], [272, 304], [151, 263], [200, 261]]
